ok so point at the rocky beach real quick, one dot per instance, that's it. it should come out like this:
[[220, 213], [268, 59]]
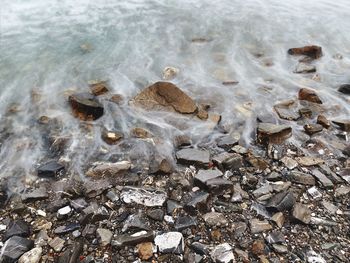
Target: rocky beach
[[127, 138]]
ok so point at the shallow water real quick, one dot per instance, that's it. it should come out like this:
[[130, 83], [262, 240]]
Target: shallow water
[[133, 41]]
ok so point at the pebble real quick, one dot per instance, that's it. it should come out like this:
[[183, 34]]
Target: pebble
[[170, 242]]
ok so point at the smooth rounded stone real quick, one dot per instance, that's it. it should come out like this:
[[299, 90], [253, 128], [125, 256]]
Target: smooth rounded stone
[[301, 213], [64, 212], [215, 219], [170, 73], [312, 51], [193, 156], [222, 254], [228, 141], [272, 133], [302, 178], [57, 244], [279, 219], [146, 197], [342, 124], [111, 137], [31, 256], [104, 236], [311, 129], [85, 106], [156, 214], [309, 161], [14, 248], [170, 242], [184, 222], [305, 68], [258, 226], [145, 250], [50, 169], [287, 110], [17, 228], [309, 95], [106, 169], [322, 120], [98, 87], [345, 89], [165, 96]]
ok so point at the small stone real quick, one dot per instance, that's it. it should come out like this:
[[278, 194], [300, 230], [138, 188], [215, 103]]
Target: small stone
[[203, 176], [314, 193], [278, 218], [309, 161], [50, 169], [200, 248], [302, 178], [111, 137], [156, 214], [116, 98], [345, 89], [198, 201], [257, 226], [309, 95], [17, 228], [228, 161], [93, 213], [283, 201], [31, 256], [184, 222], [289, 162], [104, 235], [322, 120], [57, 244], [78, 204], [222, 254], [215, 219], [343, 124], [141, 133], [304, 68], [170, 73], [107, 169], [202, 113], [182, 140], [311, 129], [301, 213], [306, 113], [281, 249], [134, 239], [14, 248], [85, 106], [239, 229], [193, 157], [342, 190], [66, 228], [170, 242], [271, 133], [36, 194], [325, 182], [145, 250], [258, 247], [144, 197], [228, 141], [313, 51], [64, 212], [275, 237], [98, 87], [286, 110], [215, 235]]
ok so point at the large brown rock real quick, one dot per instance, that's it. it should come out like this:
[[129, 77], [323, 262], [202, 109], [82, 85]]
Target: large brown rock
[[309, 95], [314, 52], [165, 95], [273, 133], [85, 106]]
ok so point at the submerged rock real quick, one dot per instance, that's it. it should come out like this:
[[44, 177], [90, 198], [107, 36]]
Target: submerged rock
[[193, 156], [309, 95], [165, 95], [313, 51], [15, 247], [104, 169], [304, 68], [286, 111], [321, 119], [98, 87], [343, 124], [272, 133], [311, 129], [111, 137], [345, 88], [170, 73], [85, 106]]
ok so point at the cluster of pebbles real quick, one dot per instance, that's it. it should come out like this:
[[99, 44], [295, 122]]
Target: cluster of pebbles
[[270, 202]]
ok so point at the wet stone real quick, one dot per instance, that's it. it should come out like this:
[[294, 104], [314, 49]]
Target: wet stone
[[184, 222], [31, 256], [133, 239], [57, 244], [305, 68], [222, 254], [50, 169], [313, 51], [311, 129], [228, 141], [204, 175], [302, 178], [342, 124], [215, 219], [98, 87], [286, 110], [309, 95], [301, 213], [15, 247], [258, 226], [272, 133], [193, 156], [182, 141], [85, 106], [322, 120], [17, 228], [345, 89], [149, 197], [36, 194], [170, 242], [306, 113], [111, 137], [283, 201], [106, 169], [309, 161]]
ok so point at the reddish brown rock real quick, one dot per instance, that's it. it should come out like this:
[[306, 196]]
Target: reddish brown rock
[[311, 129], [98, 88], [258, 247], [85, 106], [321, 119], [272, 133], [165, 95], [313, 51], [145, 250], [309, 95]]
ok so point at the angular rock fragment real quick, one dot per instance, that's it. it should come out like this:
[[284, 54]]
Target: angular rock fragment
[[345, 89], [98, 87], [268, 133], [278, 218], [302, 178], [200, 248], [170, 242], [133, 239], [311, 129], [193, 156], [165, 95], [215, 219], [93, 213], [198, 201], [184, 222], [228, 161], [104, 169], [228, 141], [218, 185], [104, 235], [313, 51], [325, 182], [309, 95], [322, 120], [283, 201], [15, 247], [309, 161], [50, 169], [145, 250], [289, 162], [257, 226], [57, 244], [301, 213], [31, 256], [141, 133], [17, 228], [286, 111], [142, 196], [156, 214], [36, 194], [343, 124], [61, 230], [222, 254], [85, 106], [203, 176], [182, 140], [303, 68]]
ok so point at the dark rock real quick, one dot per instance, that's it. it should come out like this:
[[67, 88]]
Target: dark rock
[[133, 239], [301, 213], [17, 228], [15, 247], [36, 194], [53, 206], [3, 194], [203, 176], [322, 120], [313, 51], [135, 221], [200, 248], [271, 133], [275, 237], [93, 213], [184, 222], [346, 151], [66, 228], [309, 95], [286, 110], [171, 206], [302, 178], [303, 68], [156, 214], [215, 219], [50, 169], [165, 95], [325, 182], [85, 106], [228, 141], [228, 161], [283, 201], [89, 231], [311, 129], [78, 204], [96, 187], [222, 254], [198, 201], [343, 124], [218, 185], [345, 88], [239, 229], [193, 156]]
